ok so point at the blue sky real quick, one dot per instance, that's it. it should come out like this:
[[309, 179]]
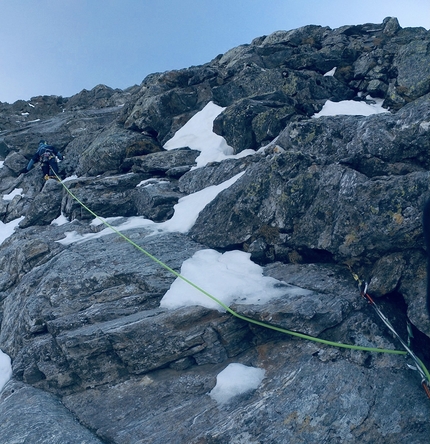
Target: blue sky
[[59, 47]]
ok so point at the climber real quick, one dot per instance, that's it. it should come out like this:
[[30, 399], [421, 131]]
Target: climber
[[426, 229], [47, 156]]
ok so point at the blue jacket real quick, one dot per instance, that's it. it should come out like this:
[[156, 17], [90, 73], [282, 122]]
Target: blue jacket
[[41, 150]]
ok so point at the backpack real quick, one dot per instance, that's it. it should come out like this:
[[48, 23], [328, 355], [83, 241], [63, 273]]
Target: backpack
[[45, 153]]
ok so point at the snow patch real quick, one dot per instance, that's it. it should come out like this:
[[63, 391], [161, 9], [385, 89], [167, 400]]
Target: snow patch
[[331, 72], [150, 182], [234, 380], [5, 369], [198, 134], [99, 221], [230, 277], [351, 108], [67, 179], [12, 194], [60, 220], [6, 230], [185, 215]]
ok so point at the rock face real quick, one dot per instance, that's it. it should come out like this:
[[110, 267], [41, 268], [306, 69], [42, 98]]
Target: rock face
[[92, 348]]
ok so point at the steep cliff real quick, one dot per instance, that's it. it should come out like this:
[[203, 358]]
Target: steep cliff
[[313, 198]]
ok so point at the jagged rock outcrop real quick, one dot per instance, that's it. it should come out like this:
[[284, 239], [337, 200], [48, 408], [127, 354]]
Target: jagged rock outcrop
[[319, 198]]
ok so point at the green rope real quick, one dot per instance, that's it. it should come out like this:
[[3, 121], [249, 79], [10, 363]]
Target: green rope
[[226, 307], [234, 313]]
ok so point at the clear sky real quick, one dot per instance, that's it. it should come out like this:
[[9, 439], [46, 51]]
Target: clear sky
[[59, 47]]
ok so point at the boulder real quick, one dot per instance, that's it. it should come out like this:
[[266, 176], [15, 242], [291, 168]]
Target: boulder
[[250, 123], [160, 163], [15, 162], [155, 199], [110, 148], [46, 205], [107, 196]]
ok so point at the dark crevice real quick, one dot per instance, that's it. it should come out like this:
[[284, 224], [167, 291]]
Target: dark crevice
[[394, 307], [315, 255]]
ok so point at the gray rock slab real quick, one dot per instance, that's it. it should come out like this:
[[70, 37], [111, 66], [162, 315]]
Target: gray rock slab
[[309, 394], [31, 415]]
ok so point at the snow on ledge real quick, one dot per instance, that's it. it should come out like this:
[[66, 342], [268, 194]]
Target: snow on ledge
[[230, 277], [12, 194], [186, 212], [60, 220], [351, 108]]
